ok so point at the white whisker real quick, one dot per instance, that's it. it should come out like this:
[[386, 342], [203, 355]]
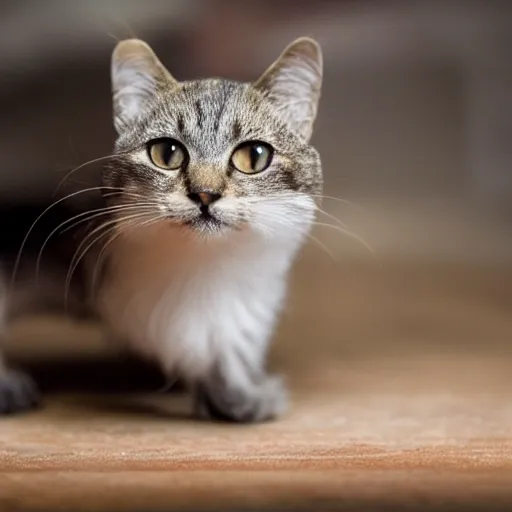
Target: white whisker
[[338, 199], [93, 161], [76, 259], [48, 208], [111, 210], [101, 211], [350, 235], [119, 232]]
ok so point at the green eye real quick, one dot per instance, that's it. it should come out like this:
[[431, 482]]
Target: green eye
[[252, 157], [167, 154]]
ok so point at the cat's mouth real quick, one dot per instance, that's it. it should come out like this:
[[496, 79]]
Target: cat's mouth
[[206, 222]]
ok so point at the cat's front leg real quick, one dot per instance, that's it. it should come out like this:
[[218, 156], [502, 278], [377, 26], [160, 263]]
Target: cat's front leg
[[235, 391]]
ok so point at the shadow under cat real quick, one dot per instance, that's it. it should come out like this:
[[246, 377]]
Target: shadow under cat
[[95, 375]]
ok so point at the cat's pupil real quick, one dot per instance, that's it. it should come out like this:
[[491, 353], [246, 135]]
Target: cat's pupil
[[256, 153], [168, 153]]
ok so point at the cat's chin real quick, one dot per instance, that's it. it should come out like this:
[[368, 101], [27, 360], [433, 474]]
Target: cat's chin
[[208, 227]]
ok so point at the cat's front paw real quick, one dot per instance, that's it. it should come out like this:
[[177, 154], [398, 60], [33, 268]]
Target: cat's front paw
[[18, 392], [262, 401]]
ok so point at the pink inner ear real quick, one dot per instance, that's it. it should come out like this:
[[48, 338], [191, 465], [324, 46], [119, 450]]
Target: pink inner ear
[[136, 73], [293, 84]]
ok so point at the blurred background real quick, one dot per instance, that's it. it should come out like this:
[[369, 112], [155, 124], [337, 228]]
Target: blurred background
[[415, 123], [414, 129]]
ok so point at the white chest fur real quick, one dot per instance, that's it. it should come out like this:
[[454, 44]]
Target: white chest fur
[[183, 303]]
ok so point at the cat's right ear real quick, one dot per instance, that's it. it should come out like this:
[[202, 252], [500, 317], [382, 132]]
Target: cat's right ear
[[136, 75]]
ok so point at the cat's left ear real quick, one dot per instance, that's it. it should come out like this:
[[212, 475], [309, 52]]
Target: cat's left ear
[[293, 84], [137, 76]]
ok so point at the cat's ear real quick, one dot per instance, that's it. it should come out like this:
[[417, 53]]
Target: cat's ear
[[136, 75], [293, 84]]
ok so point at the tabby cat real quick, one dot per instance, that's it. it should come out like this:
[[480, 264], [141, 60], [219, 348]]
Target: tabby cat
[[207, 198]]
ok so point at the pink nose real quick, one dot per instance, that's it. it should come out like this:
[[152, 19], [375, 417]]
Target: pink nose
[[204, 198]]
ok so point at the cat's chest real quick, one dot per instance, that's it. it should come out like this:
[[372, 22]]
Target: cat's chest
[[188, 306]]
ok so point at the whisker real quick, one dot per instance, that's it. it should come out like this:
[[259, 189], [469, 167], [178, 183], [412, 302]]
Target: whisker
[[93, 161], [350, 235], [72, 266], [102, 211], [293, 195], [46, 210], [109, 210], [290, 225], [76, 260], [104, 225], [322, 246], [345, 229], [130, 30], [333, 217], [125, 193], [115, 38], [120, 231], [338, 199], [342, 228], [98, 263]]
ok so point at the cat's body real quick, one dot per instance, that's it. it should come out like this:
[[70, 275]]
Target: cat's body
[[208, 197]]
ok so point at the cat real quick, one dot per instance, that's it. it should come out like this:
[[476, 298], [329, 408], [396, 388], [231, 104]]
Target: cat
[[205, 203]]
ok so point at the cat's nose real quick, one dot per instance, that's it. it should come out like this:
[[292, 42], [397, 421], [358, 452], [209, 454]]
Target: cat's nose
[[204, 198]]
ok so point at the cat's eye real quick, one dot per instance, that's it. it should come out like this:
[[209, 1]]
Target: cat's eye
[[167, 154], [252, 157]]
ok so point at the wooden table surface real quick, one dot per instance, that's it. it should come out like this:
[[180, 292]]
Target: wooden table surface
[[401, 380]]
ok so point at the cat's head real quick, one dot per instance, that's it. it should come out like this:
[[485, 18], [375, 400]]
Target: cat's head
[[216, 156]]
